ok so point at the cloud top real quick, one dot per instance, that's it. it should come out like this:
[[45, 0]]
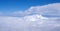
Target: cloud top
[[50, 9]]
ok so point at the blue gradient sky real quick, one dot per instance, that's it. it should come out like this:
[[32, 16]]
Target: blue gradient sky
[[16, 5]]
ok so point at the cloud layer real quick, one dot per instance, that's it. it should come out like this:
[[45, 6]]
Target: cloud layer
[[32, 19], [50, 9]]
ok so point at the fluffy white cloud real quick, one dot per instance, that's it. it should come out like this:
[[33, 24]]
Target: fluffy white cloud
[[32, 19], [50, 9], [28, 23]]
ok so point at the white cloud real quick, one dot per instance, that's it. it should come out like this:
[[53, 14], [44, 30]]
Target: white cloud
[[27, 24], [32, 19], [50, 9]]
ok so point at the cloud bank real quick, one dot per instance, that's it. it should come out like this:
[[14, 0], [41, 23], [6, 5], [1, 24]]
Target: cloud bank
[[50, 9], [32, 19]]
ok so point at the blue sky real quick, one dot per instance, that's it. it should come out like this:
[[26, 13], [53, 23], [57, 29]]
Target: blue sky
[[29, 15], [16, 5]]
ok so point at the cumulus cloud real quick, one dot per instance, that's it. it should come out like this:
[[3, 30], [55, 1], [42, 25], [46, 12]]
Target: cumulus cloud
[[28, 23], [50, 9], [32, 19]]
